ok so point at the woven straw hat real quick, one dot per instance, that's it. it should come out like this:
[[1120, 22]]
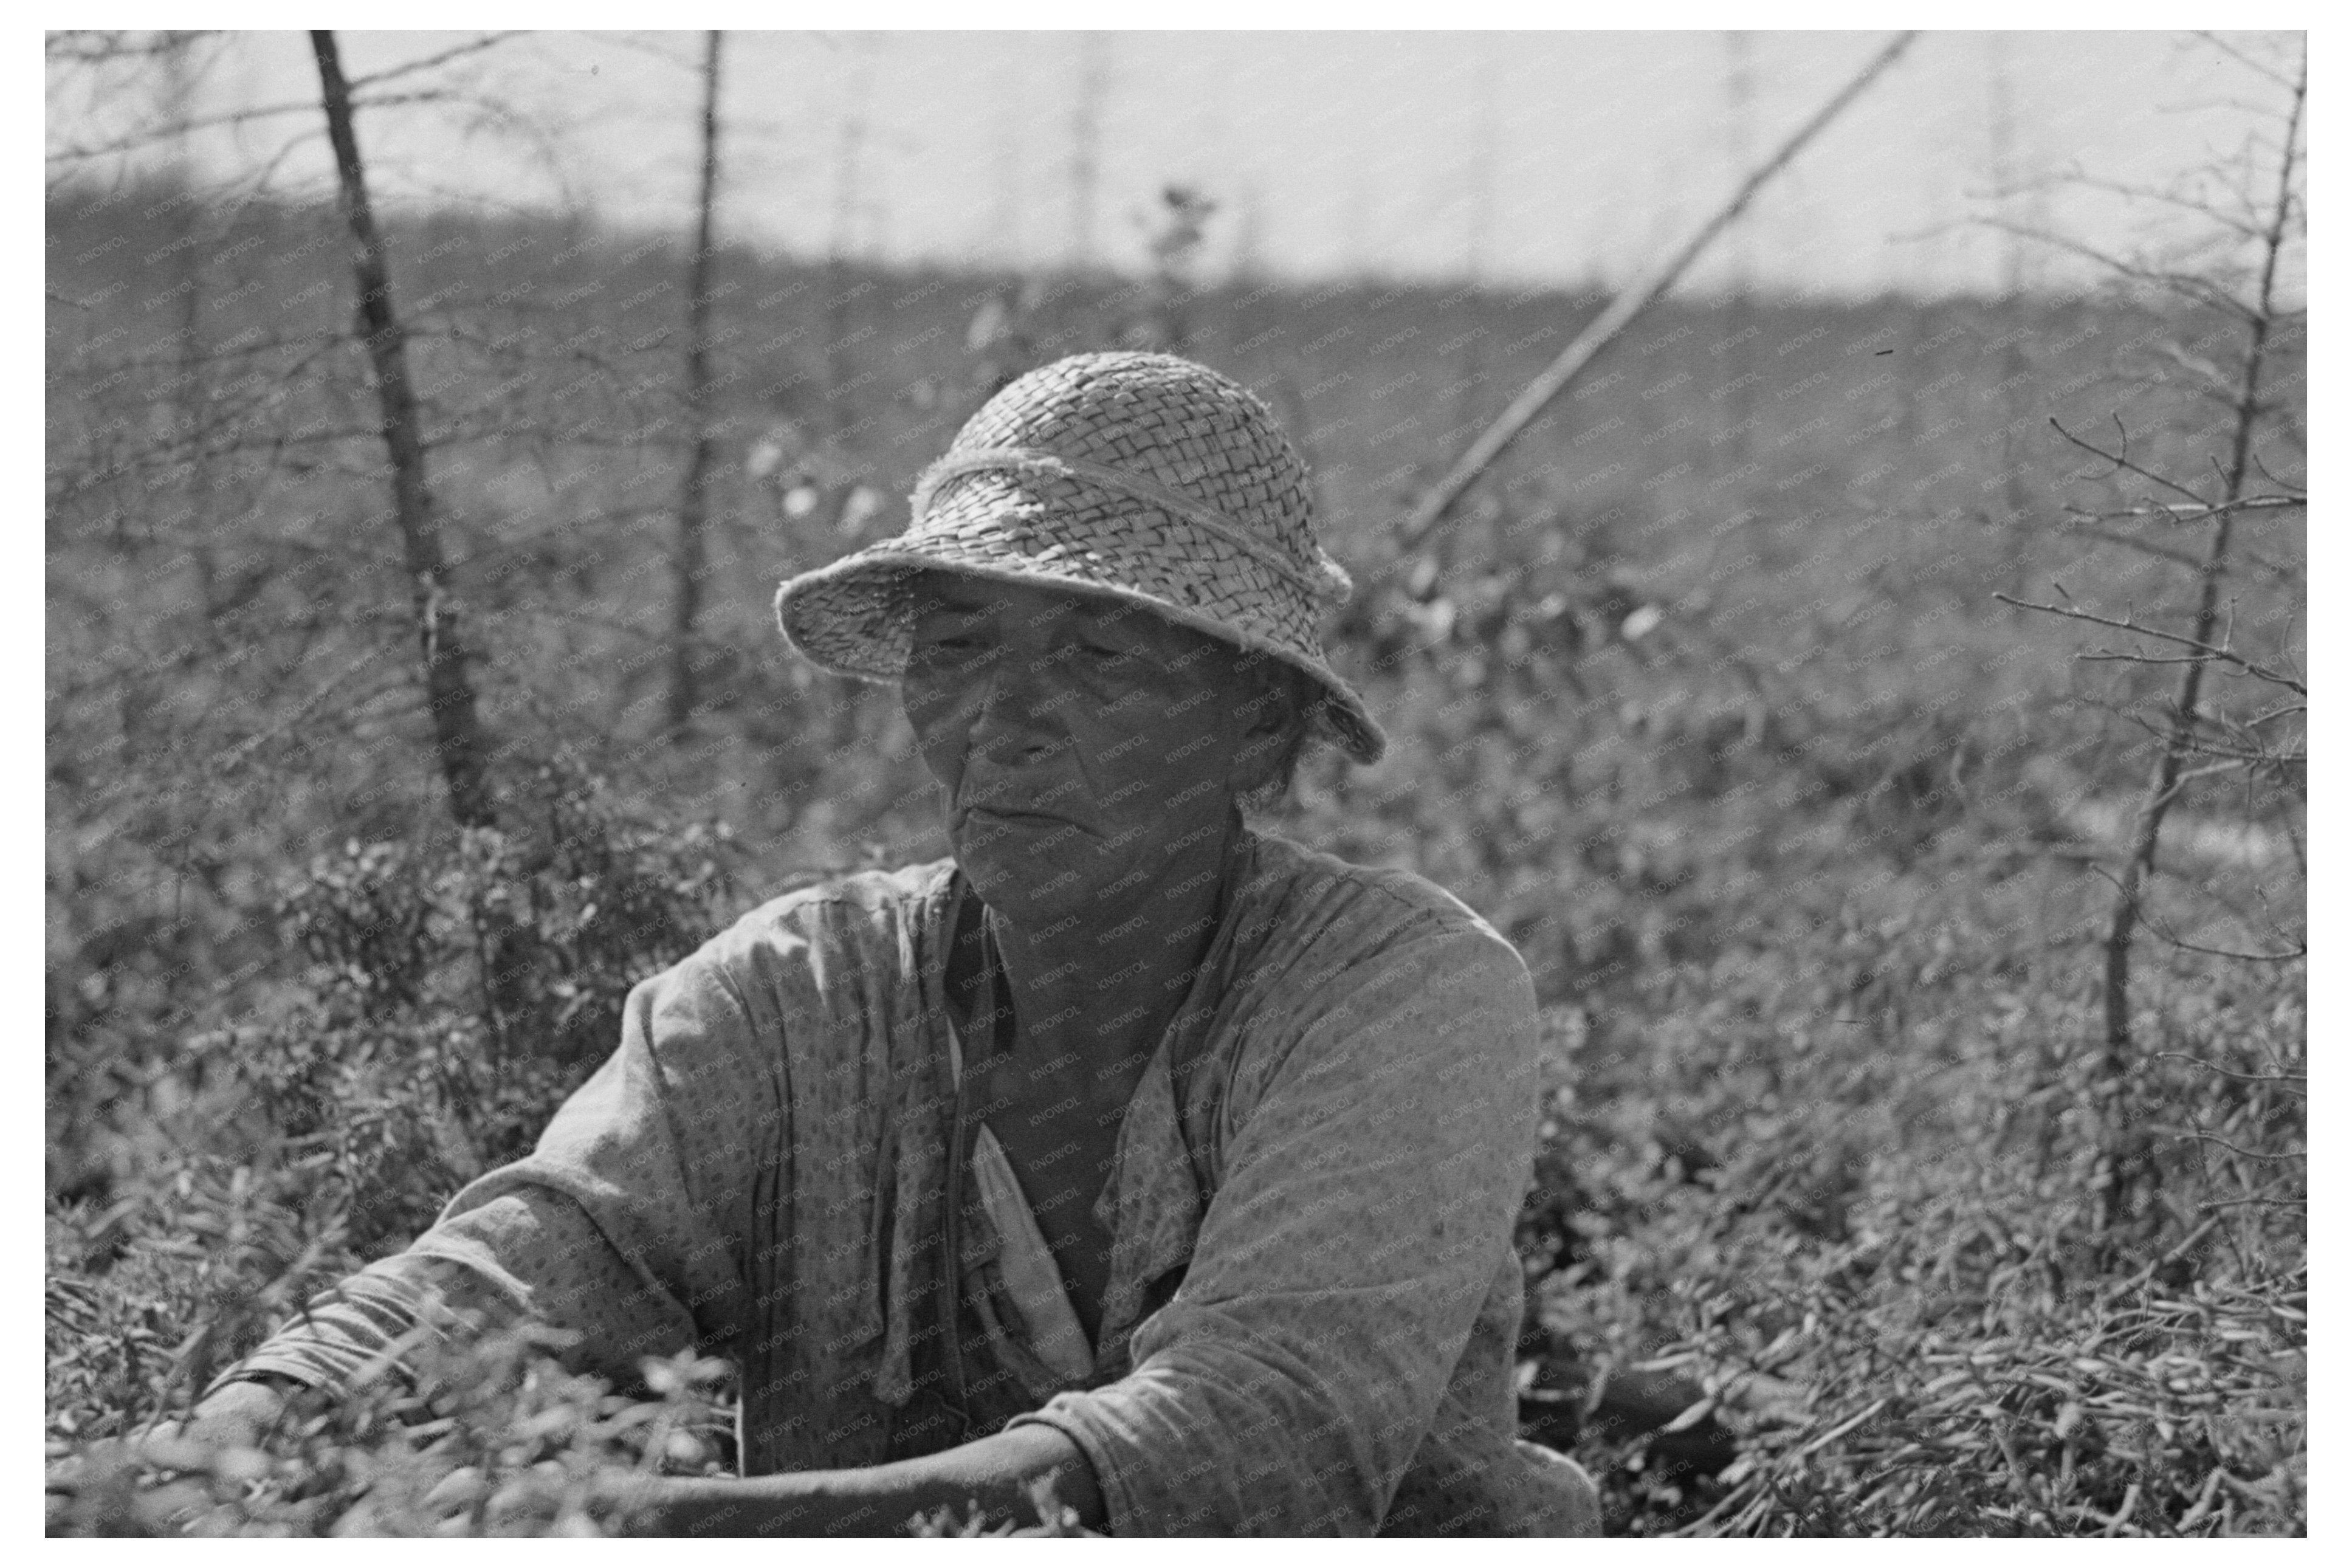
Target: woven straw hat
[[1142, 477]]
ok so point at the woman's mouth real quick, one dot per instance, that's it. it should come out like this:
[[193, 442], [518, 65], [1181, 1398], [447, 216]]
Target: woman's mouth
[[1016, 818]]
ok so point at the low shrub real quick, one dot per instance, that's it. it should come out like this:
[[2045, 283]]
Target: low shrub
[[1876, 1262]]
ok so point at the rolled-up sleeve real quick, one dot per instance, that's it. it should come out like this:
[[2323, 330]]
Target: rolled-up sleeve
[[1376, 1161], [625, 1225]]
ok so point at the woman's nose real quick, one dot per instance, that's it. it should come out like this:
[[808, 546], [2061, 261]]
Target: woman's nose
[[1017, 718]]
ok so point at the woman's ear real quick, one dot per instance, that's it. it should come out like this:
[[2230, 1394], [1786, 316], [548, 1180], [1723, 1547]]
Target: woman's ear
[[1256, 757], [1270, 716]]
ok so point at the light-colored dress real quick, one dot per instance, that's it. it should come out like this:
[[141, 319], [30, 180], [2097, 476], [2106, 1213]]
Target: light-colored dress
[[1313, 1298]]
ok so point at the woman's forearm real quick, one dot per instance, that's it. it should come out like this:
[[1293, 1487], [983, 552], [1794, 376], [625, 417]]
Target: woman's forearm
[[994, 1472]]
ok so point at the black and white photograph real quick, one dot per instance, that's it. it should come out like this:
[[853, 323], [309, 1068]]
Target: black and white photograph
[[971, 775]]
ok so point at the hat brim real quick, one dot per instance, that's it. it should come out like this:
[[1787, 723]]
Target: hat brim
[[854, 618]]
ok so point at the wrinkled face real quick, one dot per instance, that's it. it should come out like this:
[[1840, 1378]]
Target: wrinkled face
[[1088, 748]]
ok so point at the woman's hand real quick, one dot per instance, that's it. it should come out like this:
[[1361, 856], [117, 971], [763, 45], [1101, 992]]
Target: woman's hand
[[237, 1415], [993, 1474]]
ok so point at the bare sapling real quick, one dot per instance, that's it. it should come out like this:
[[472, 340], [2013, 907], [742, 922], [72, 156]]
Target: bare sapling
[[458, 740], [2234, 713]]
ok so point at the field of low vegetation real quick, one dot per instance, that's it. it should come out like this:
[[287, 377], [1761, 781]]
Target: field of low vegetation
[[1868, 1205]]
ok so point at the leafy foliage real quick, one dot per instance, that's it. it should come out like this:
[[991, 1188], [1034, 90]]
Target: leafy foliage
[[451, 989], [1798, 833], [1862, 1235], [495, 1439]]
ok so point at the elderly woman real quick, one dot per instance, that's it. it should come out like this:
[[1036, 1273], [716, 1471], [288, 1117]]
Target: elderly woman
[[1130, 1147]]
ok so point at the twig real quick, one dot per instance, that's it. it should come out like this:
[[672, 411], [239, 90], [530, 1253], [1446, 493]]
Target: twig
[[227, 761], [2294, 494], [2202, 512], [2203, 1136], [489, 40], [2185, 284], [2122, 1509], [2007, 1448], [1739, 1494], [2259, 671], [1840, 1429], [2190, 204], [2162, 553], [2103, 657], [237, 118], [2123, 459], [2159, 927]]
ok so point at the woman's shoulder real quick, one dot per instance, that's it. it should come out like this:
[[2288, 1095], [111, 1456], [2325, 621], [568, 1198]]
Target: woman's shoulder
[[1309, 929], [851, 923], [884, 890], [1377, 967], [1309, 885]]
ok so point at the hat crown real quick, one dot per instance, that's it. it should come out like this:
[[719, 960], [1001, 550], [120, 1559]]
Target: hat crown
[[1163, 419]]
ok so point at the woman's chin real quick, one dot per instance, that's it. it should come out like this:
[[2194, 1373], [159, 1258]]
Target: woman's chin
[[1031, 886]]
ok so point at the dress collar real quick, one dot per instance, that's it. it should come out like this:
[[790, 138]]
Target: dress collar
[[1157, 1191]]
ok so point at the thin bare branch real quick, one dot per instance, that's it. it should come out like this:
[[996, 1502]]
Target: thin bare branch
[[2225, 1072], [2185, 945], [2203, 1136], [2200, 208], [2188, 285], [2123, 459], [2101, 655], [96, 45], [133, 143], [2212, 383], [2162, 553], [2185, 731], [228, 760], [2260, 672], [2293, 495], [488, 41], [2202, 512], [637, 45], [2252, 758]]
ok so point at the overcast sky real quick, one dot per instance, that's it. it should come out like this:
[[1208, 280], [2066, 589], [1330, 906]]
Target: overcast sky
[[1508, 157]]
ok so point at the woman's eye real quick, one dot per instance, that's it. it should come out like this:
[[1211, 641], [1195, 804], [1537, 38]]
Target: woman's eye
[[1102, 656], [951, 643]]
